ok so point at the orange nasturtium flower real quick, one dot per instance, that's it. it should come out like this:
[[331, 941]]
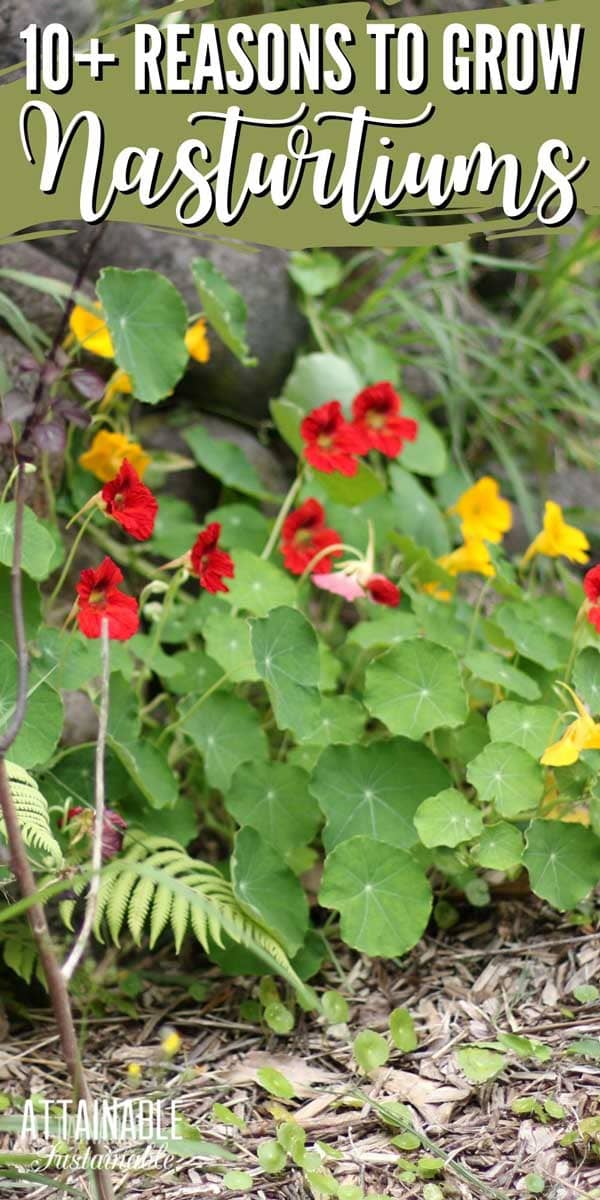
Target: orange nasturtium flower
[[485, 515], [91, 331], [473, 556], [557, 539], [196, 341], [582, 734], [107, 453]]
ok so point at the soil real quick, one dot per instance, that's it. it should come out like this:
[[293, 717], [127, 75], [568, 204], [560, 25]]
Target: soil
[[513, 970]]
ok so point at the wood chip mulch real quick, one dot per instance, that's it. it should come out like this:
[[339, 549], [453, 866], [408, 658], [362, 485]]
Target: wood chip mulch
[[510, 971]]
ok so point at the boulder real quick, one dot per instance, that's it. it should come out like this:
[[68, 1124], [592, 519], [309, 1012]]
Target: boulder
[[15, 15], [276, 329]]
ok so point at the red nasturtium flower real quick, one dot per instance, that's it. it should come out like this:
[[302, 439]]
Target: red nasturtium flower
[[98, 597], [211, 564], [378, 422], [129, 502], [383, 591], [331, 443], [591, 587], [304, 534]]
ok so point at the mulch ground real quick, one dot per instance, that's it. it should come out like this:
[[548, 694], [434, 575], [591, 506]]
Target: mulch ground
[[513, 971]]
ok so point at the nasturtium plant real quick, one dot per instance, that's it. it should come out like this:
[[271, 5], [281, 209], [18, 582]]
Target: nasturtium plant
[[328, 709]]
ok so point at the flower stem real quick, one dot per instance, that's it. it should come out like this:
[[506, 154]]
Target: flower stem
[[282, 514], [314, 562], [71, 555], [165, 613]]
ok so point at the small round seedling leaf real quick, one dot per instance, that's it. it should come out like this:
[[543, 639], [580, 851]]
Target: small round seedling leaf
[[402, 1029], [383, 896], [279, 1018], [370, 1050], [507, 777], [275, 1083], [335, 1008], [271, 1156], [563, 861], [480, 1065], [416, 688], [447, 819], [586, 993], [535, 1184], [237, 1181]]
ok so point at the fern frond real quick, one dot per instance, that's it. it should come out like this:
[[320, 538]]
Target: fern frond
[[155, 884], [33, 816]]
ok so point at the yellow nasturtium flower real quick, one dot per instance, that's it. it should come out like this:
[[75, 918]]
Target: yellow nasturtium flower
[[582, 734], [134, 1070], [106, 453], [170, 1043], [485, 515], [473, 557], [557, 539], [91, 331], [196, 341]]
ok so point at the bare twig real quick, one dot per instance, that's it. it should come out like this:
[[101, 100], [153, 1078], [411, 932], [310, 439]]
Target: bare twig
[[16, 580], [74, 958]]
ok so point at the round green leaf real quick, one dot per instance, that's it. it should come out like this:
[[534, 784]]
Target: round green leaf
[[341, 722], [274, 799], [315, 271], [335, 1008], [370, 1050], [416, 688], [387, 630], [286, 654], [427, 454], [480, 1065], [266, 887], [237, 1181], [383, 896], [375, 790], [279, 1018], [500, 847], [529, 726], [227, 732], [241, 525], [147, 321], [227, 641], [493, 668], [42, 726], [507, 777], [447, 819], [259, 586], [38, 545], [271, 1156], [402, 1029], [563, 861], [586, 678], [520, 624], [317, 378], [275, 1083]]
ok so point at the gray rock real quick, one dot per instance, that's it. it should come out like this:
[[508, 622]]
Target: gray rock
[[81, 719], [44, 310], [276, 328], [15, 15]]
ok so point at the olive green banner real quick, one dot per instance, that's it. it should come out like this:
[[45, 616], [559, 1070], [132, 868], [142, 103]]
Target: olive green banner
[[318, 127]]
